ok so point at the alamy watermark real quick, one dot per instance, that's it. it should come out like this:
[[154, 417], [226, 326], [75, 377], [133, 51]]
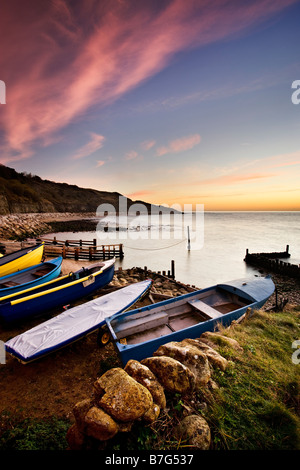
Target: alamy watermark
[[2, 92], [149, 222], [296, 94]]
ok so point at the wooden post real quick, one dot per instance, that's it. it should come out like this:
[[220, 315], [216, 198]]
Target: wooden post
[[189, 240], [173, 269]]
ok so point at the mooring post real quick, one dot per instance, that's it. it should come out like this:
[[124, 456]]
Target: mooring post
[[173, 269]]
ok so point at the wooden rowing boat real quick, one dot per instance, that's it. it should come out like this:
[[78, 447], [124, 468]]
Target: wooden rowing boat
[[30, 277], [73, 324], [21, 259], [137, 334], [56, 293]]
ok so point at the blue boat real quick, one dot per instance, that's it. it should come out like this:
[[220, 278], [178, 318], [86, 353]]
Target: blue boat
[[56, 293], [30, 277], [74, 323], [137, 334]]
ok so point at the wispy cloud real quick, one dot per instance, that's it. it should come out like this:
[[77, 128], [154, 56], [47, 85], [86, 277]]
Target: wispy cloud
[[140, 194], [94, 144], [179, 145], [232, 179], [148, 144], [132, 155], [75, 56]]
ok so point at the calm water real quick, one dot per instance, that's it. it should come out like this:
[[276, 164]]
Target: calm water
[[218, 243]]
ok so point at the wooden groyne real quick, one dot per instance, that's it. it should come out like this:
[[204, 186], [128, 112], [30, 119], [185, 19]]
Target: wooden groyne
[[274, 262]]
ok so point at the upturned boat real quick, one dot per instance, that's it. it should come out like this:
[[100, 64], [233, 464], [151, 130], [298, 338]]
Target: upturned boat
[[138, 333], [30, 277], [74, 323], [56, 293], [21, 259]]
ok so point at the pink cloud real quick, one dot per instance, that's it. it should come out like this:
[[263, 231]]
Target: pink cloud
[[180, 145], [61, 59], [94, 144], [139, 194], [132, 155]]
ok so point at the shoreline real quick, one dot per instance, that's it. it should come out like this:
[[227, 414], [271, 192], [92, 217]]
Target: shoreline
[[33, 225]]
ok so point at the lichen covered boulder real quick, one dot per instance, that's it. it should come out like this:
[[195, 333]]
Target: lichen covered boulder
[[214, 358], [145, 377], [194, 432], [190, 356], [174, 376], [100, 425], [121, 396]]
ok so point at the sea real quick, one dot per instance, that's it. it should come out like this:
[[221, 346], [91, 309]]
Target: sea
[[205, 247]]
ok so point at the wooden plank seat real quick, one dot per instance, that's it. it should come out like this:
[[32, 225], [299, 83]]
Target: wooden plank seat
[[40, 273], [137, 325], [9, 284], [204, 308]]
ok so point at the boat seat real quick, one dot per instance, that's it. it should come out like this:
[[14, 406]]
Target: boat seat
[[204, 308], [136, 325], [41, 273], [9, 284]]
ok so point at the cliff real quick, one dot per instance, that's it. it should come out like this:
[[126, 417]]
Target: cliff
[[26, 193]]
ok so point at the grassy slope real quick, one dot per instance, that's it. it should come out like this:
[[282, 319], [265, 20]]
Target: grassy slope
[[257, 404]]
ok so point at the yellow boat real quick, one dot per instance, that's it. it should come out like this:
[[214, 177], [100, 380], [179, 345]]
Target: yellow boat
[[21, 259]]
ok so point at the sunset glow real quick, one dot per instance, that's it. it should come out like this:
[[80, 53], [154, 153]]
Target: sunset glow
[[170, 102]]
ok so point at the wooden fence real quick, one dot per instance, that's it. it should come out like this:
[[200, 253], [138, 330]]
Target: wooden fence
[[81, 249]]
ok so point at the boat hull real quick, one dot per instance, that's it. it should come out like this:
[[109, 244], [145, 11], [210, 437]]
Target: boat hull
[[53, 268], [56, 294], [141, 343], [21, 259], [73, 324]]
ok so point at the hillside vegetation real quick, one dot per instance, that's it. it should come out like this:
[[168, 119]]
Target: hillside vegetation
[[26, 193]]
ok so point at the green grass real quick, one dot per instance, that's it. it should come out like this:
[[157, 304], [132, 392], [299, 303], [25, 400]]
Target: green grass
[[257, 403], [32, 434]]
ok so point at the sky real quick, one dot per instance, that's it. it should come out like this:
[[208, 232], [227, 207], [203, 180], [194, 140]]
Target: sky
[[172, 102]]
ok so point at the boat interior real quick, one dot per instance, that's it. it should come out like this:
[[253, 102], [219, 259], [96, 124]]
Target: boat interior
[[28, 276], [165, 319]]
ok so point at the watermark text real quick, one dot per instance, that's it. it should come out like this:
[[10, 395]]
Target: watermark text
[[296, 94], [2, 92]]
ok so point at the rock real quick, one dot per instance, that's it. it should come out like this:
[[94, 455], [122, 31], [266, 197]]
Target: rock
[[189, 355], [172, 375], [217, 339], [75, 438], [152, 414], [80, 410], [143, 375], [121, 396], [194, 432], [100, 425], [214, 358]]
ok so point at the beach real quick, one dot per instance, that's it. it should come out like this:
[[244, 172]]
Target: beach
[[52, 385]]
